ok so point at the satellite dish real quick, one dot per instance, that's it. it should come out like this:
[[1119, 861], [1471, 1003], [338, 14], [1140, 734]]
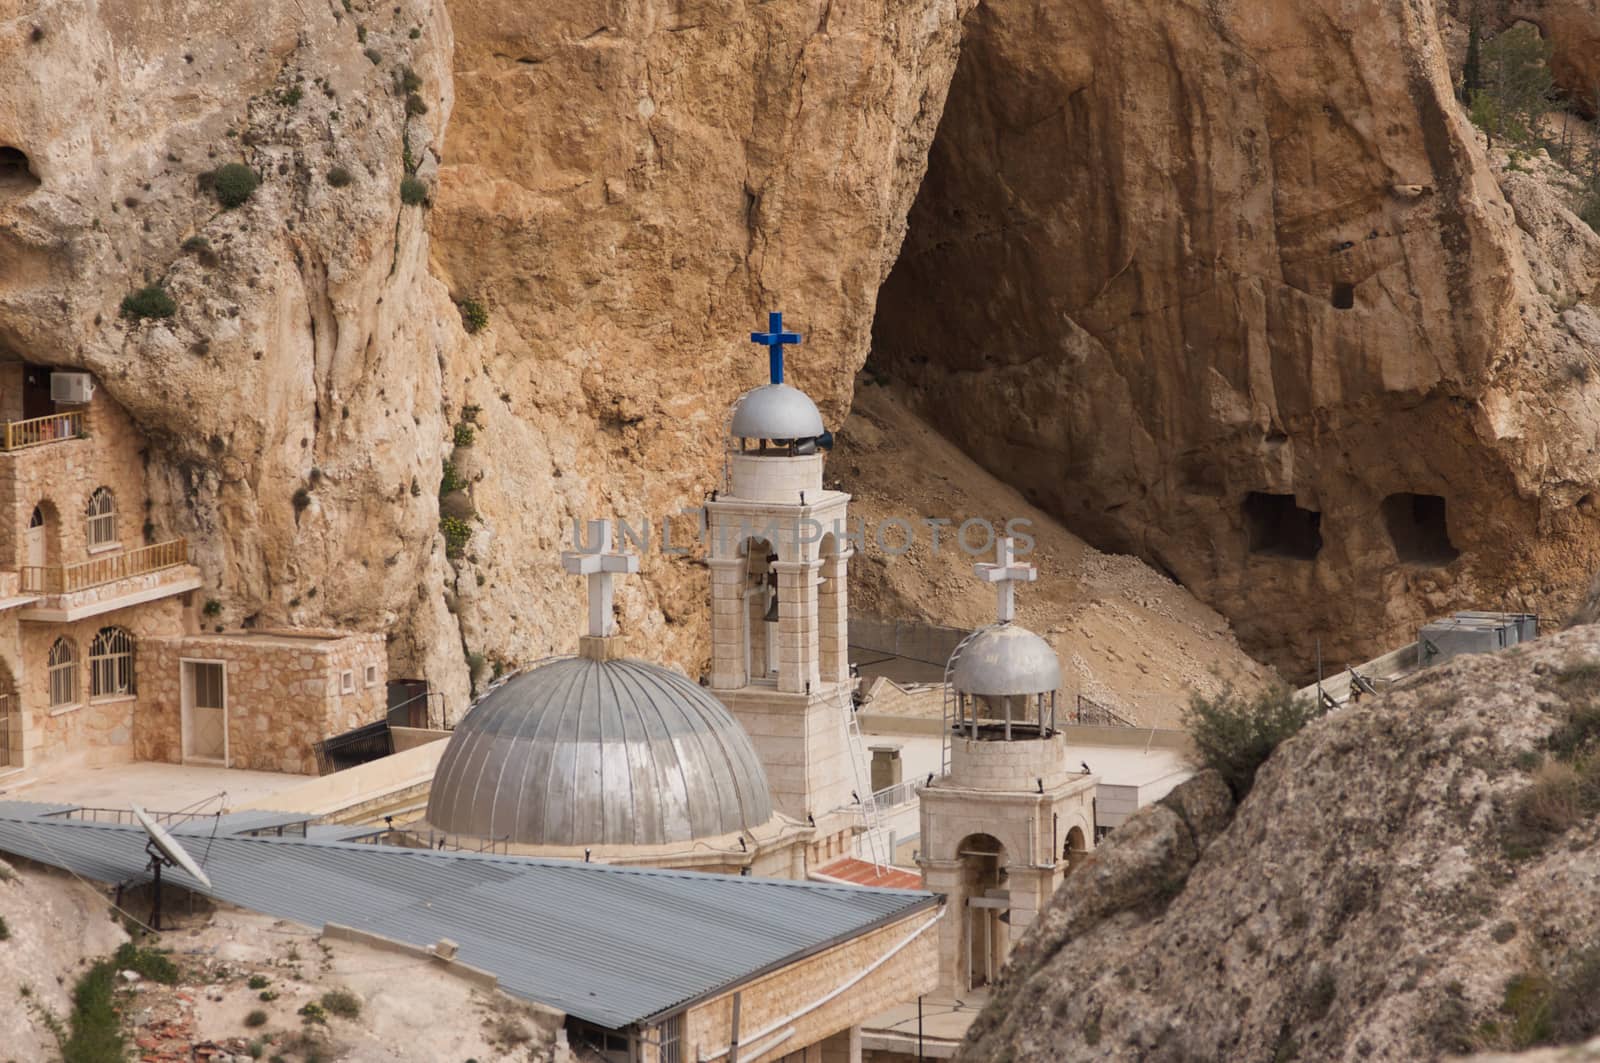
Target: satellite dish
[[164, 851], [174, 854]]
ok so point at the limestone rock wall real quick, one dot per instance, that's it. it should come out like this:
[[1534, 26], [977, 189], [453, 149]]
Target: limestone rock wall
[[629, 188], [294, 399], [1371, 898], [1189, 252]]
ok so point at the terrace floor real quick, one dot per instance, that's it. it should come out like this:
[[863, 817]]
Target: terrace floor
[[157, 786]]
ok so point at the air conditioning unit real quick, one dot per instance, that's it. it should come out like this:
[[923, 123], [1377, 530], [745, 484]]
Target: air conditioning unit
[[71, 388]]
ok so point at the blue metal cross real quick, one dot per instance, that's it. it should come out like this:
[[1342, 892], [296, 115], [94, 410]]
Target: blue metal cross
[[774, 340]]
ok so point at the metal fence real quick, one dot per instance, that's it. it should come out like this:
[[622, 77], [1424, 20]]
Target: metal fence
[[64, 579]]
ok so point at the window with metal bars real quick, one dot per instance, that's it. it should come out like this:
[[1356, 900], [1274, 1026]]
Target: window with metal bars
[[671, 1031], [63, 673], [102, 514], [111, 663]]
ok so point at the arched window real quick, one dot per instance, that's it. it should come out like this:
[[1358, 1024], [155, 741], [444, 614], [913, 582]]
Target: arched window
[[37, 520], [102, 517], [63, 673], [111, 663]]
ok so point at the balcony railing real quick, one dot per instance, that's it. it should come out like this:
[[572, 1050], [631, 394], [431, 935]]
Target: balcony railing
[[19, 435], [10, 731], [64, 579]]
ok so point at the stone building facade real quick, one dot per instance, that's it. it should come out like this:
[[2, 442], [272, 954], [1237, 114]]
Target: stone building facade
[[99, 612], [284, 691]]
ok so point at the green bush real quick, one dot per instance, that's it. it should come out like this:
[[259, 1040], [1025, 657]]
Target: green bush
[[1509, 86], [410, 80], [197, 244], [233, 184], [148, 963], [416, 32], [95, 1028], [413, 192], [457, 533], [1544, 1007], [291, 97], [259, 981], [339, 177], [312, 1012], [450, 479], [256, 1018], [267, 995], [5, 931], [1589, 209], [341, 1002], [151, 301], [465, 435], [374, 55], [415, 105], [1234, 733], [474, 316]]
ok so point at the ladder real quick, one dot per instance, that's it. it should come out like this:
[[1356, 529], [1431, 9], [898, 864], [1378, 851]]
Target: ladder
[[950, 700], [865, 801]]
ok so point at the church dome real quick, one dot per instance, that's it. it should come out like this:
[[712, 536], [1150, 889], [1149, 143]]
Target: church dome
[[776, 411], [1006, 659], [598, 752]]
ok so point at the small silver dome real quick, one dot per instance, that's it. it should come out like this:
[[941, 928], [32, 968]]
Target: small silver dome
[[588, 752], [776, 411], [1006, 659]]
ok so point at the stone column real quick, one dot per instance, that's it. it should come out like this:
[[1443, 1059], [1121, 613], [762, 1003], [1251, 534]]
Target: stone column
[[798, 655], [727, 623], [833, 617], [944, 878]]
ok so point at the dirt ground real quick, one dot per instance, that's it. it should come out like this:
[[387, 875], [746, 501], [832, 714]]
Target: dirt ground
[[410, 1009], [1128, 637]]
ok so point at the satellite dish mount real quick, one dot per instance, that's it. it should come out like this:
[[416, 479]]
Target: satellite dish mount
[[164, 851]]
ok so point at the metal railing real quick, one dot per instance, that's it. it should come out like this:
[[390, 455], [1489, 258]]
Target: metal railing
[[896, 796], [406, 838], [37, 431], [125, 816], [1093, 712], [64, 579]]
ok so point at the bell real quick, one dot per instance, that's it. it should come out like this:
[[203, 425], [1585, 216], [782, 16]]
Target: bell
[[771, 616]]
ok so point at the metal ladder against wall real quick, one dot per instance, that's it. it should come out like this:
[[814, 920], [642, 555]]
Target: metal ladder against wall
[[950, 703], [865, 801]]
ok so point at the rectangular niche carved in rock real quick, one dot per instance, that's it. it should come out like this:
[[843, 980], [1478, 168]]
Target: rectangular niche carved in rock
[[1418, 529], [1280, 528]]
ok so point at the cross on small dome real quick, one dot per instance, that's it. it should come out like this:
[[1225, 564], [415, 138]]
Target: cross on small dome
[[774, 340], [1005, 572], [599, 562]]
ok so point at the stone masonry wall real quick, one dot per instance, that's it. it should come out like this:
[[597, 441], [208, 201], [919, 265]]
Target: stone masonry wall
[[54, 733], [284, 694], [64, 474], [766, 1000]]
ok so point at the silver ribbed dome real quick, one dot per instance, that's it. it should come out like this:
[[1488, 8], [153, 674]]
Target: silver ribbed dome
[[588, 752], [1006, 659], [776, 411]]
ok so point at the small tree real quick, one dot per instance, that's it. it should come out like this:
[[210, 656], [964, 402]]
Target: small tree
[[151, 301], [1517, 86], [413, 191], [1235, 733]]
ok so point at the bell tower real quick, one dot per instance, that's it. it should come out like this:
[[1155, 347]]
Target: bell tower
[[779, 611]]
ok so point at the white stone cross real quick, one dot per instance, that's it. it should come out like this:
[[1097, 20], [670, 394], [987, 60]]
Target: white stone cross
[[599, 563], [1005, 575]]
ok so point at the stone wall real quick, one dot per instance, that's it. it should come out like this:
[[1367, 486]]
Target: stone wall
[[284, 693], [63, 474], [53, 734], [766, 1000]]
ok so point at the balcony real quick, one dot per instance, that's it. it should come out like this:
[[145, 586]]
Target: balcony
[[101, 584], [39, 431]]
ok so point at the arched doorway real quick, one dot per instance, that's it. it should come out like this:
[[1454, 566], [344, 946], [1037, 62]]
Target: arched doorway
[[832, 612], [1076, 850], [760, 609], [10, 718], [41, 543], [983, 876]]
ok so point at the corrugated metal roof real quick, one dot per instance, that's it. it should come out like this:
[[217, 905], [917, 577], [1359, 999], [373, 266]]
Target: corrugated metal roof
[[610, 945], [236, 822]]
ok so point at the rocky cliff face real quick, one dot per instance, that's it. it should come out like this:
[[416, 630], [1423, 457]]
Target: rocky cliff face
[[629, 189], [1409, 877], [1239, 289], [293, 404]]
